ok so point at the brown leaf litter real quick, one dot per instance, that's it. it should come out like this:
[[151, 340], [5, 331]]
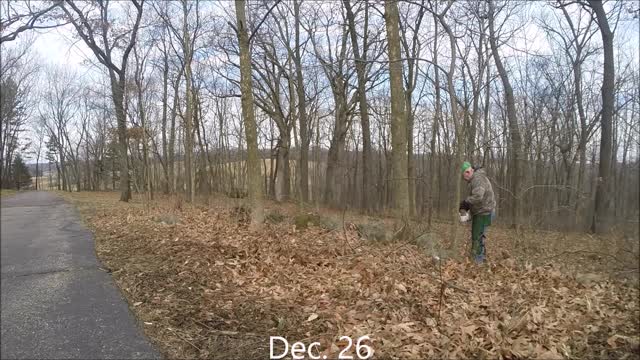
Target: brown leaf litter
[[204, 286]]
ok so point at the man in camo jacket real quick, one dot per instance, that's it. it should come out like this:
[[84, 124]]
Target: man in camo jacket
[[481, 203]]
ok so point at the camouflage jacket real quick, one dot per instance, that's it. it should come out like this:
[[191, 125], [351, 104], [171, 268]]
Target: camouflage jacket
[[481, 198]]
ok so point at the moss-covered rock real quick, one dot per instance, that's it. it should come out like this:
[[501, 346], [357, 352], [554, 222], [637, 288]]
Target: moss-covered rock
[[303, 221], [374, 231], [275, 217]]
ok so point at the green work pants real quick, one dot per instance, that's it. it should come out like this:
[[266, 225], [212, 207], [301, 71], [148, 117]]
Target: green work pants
[[479, 224]]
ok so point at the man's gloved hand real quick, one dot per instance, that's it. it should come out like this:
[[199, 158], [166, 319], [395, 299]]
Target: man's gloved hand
[[465, 205]]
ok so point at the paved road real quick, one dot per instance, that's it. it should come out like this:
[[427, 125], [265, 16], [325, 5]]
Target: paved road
[[56, 301]]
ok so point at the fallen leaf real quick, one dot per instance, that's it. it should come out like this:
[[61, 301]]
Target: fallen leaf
[[512, 311], [550, 355], [468, 329], [401, 287]]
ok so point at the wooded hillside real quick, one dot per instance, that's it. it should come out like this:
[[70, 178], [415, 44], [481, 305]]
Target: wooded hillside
[[543, 95]]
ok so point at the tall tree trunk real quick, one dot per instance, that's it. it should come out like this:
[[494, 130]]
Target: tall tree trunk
[[459, 136], [601, 222], [37, 168], [487, 102], [172, 133], [282, 173], [204, 144], [248, 114], [364, 109], [142, 114], [303, 166], [398, 114], [516, 140], [582, 145], [411, 168], [204, 177], [58, 176], [334, 177], [188, 116], [117, 89], [411, 52], [434, 129], [477, 93], [165, 96]]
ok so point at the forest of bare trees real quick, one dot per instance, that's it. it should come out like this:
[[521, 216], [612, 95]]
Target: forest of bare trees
[[364, 105]]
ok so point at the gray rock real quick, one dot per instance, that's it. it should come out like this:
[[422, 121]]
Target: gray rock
[[590, 278], [168, 219], [374, 231], [302, 221], [431, 245], [330, 223], [427, 241]]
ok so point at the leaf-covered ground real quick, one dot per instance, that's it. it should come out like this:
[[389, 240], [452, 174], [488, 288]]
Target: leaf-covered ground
[[204, 286]]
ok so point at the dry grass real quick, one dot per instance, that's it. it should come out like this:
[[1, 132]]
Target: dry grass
[[7, 192], [207, 287]]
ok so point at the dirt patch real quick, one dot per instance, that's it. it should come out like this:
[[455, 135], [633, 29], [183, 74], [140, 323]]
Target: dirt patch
[[205, 286]]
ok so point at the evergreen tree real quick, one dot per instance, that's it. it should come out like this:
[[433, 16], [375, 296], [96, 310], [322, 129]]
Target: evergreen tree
[[21, 175]]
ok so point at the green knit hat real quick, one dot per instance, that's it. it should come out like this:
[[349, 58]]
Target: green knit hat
[[465, 166]]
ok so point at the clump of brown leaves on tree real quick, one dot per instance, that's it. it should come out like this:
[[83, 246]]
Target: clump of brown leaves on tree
[[207, 287]]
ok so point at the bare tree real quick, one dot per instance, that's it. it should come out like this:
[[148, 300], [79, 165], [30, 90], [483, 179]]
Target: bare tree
[[514, 130], [17, 17], [91, 22], [360, 59], [302, 111], [248, 115], [58, 111], [333, 60], [398, 113], [39, 130], [603, 200]]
